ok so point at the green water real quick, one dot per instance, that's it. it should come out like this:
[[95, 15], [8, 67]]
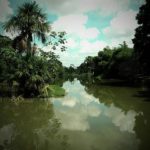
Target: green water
[[89, 117]]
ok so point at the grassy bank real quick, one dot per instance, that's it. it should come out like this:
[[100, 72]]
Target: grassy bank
[[56, 91], [47, 91], [52, 91]]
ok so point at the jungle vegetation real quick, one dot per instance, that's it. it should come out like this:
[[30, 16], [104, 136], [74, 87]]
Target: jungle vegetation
[[23, 66], [30, 70], [122, 62]]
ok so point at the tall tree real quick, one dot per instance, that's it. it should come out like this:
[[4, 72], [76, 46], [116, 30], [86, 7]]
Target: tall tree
[[29, 21], [142, 40]]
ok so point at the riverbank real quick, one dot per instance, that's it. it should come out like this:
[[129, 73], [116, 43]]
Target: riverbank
[[48, 91]]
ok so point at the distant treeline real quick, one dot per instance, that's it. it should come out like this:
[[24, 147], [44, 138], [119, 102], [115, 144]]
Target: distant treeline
[[110, 63]]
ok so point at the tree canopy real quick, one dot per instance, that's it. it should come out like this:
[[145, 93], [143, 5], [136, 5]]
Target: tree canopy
[[29, 22], [142, 40], [20, 65]]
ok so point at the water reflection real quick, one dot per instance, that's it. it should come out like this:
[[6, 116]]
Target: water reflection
[[7, 133], [89, 117], [125, 121], [78, 106], [30, 125], [104, 115], [125, 99]]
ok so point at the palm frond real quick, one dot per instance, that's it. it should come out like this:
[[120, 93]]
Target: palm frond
[[11, 24], [29, 20]]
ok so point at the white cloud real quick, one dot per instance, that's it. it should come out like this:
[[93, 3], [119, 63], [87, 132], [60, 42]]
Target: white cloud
[[92, 47], [81, 49], [84, 49], [74, 24], [71, 43], [71, 58], [66, 57], [90, 33], [116, 41], [72, 18], [108, 7], [65, 7], [122, 28], [5, 10], [122, 25]]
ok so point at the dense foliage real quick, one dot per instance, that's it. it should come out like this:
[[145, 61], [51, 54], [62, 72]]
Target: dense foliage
[[31, 69], [30, 73], [142, 40], [109, 63], [123, 62], [22, 63]]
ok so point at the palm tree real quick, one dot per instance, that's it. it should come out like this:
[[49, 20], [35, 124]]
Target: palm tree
[[29, 22]]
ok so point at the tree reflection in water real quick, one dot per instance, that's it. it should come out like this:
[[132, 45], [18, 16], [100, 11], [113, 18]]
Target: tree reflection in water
[[89, 117], [29, 125], [127, 110]]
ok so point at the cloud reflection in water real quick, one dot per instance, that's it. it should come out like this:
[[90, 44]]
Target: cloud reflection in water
[[77, 107]]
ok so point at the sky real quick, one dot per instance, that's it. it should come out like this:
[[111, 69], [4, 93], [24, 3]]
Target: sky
[[91, 25]]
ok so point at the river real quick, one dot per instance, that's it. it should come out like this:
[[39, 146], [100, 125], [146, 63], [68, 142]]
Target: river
[[89, 117]]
